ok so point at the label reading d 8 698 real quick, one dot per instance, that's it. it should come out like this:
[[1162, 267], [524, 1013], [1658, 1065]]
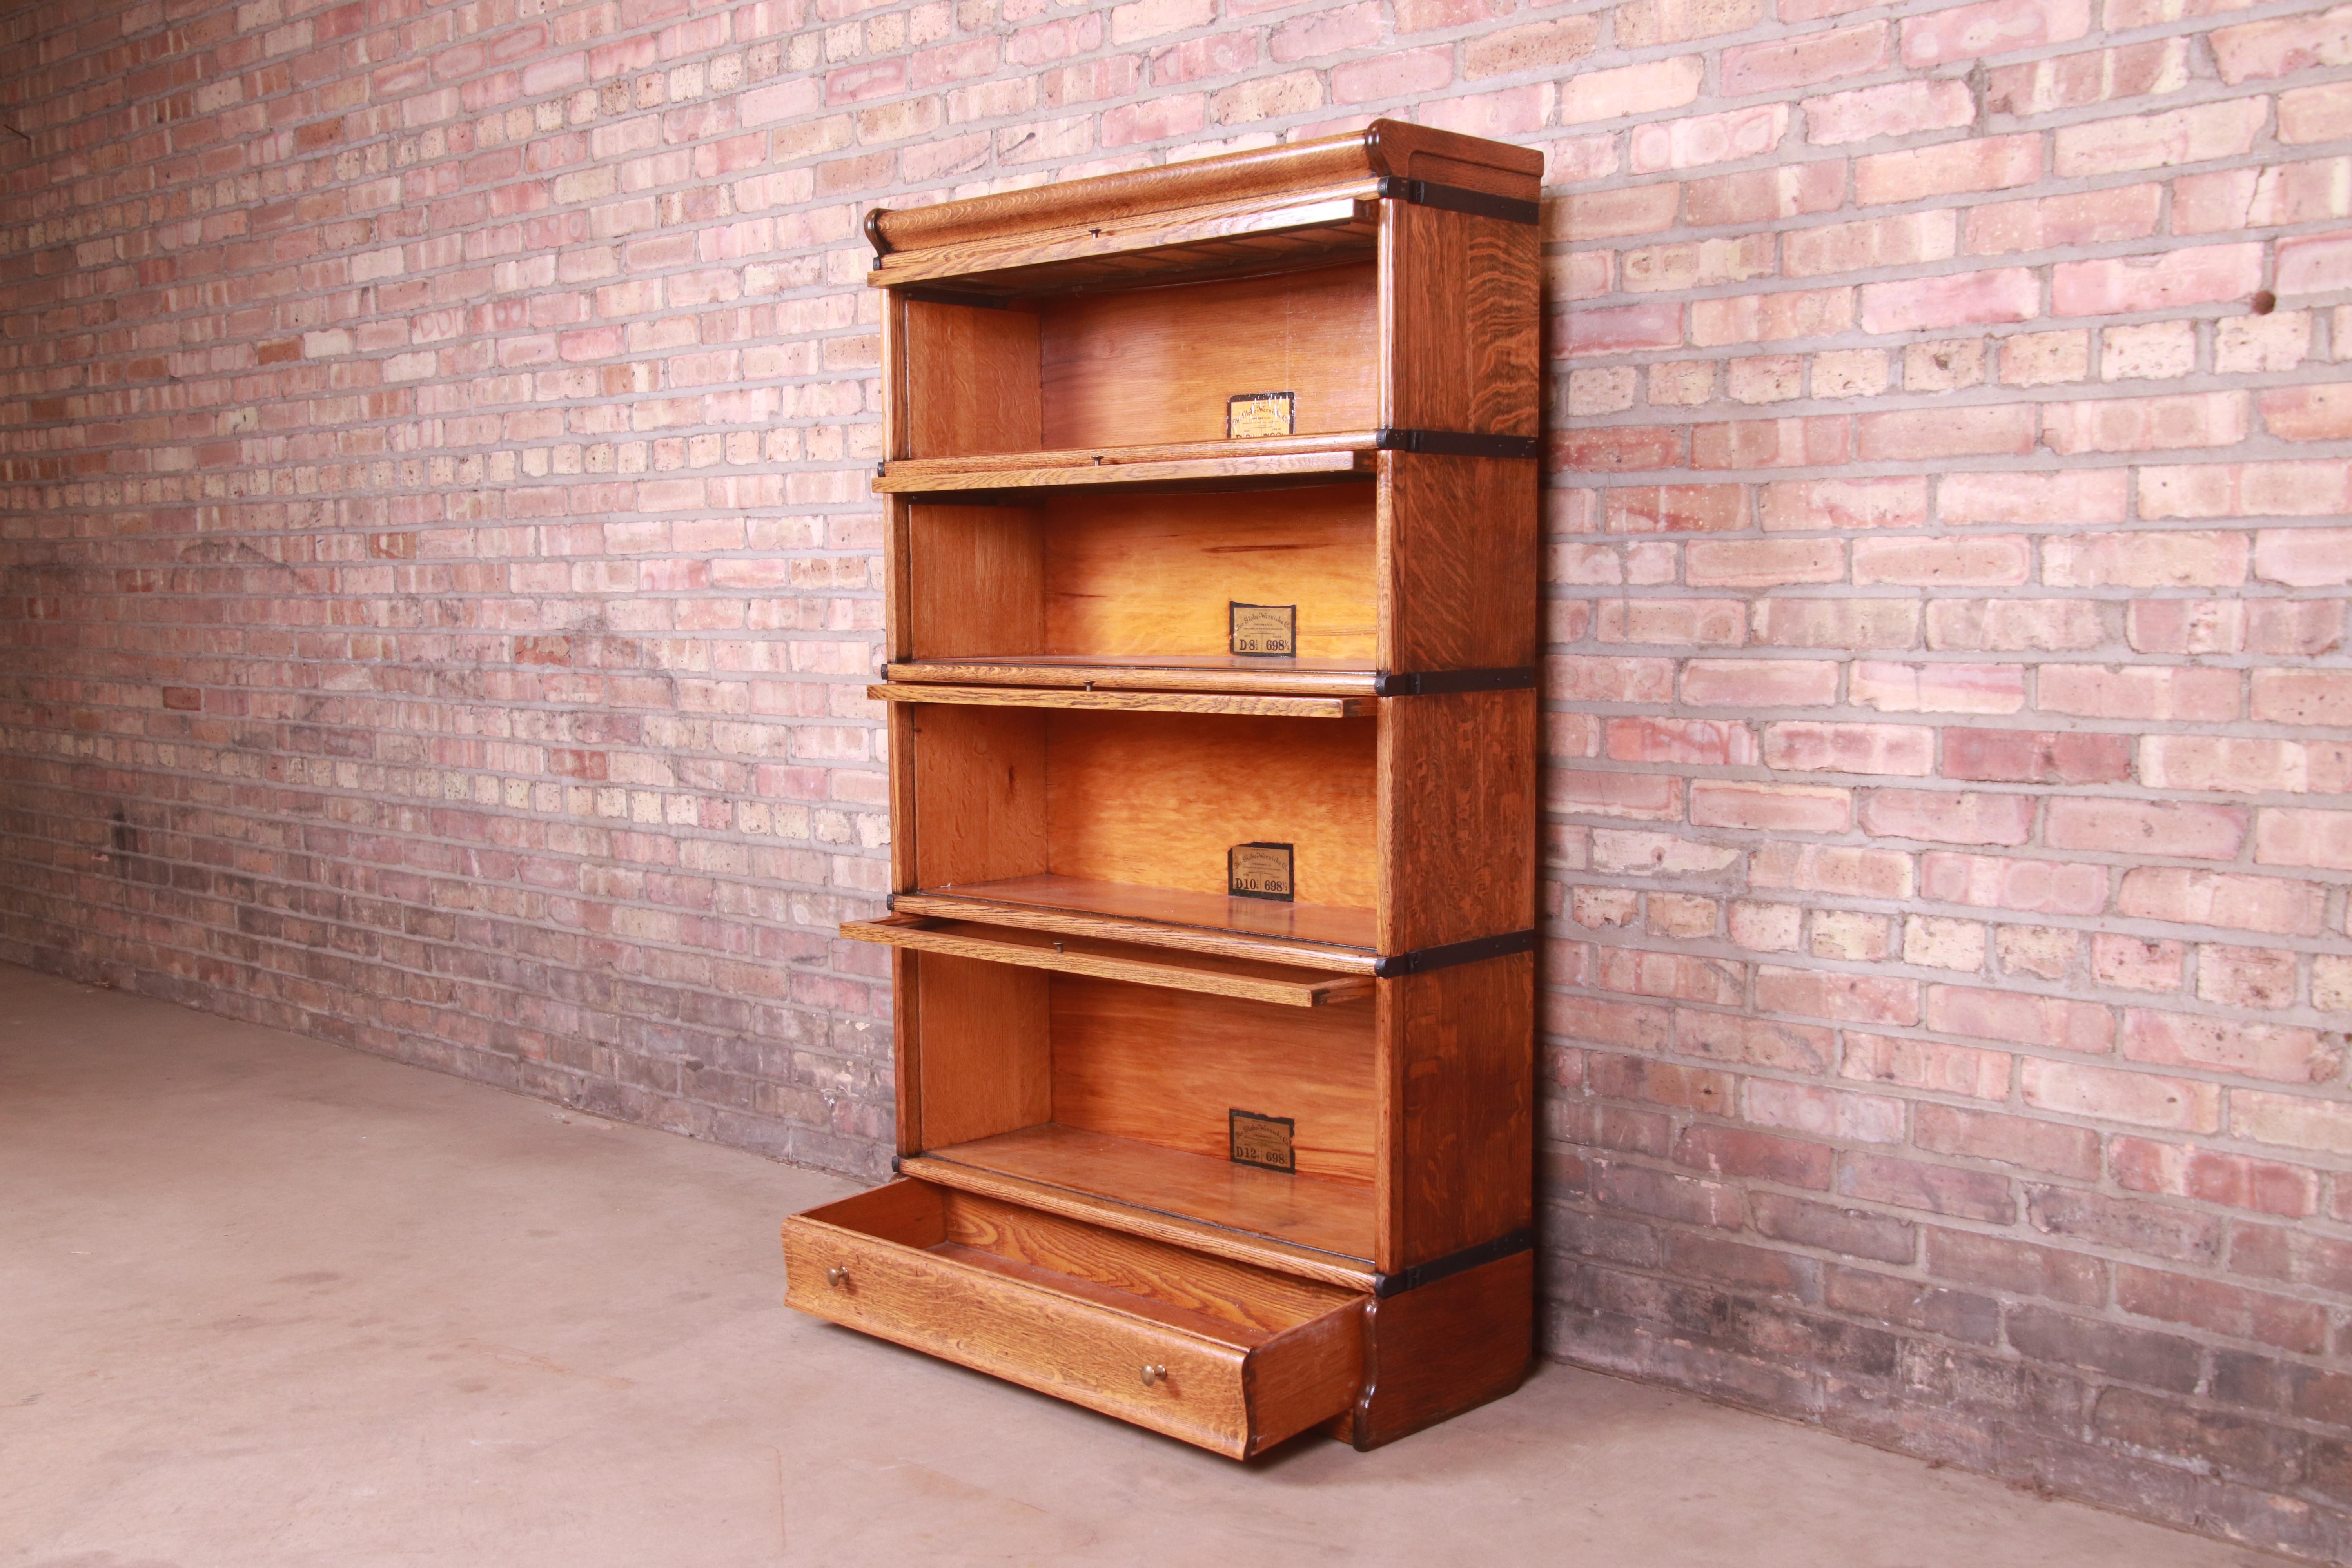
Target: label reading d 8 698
[[1263, 631]]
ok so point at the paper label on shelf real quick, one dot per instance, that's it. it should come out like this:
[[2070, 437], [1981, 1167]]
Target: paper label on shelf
[[1263, 631], [1260, 413], [1260, 871], [1264, 1140]]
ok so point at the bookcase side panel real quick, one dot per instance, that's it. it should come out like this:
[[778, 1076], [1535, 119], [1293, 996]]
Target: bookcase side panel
[[982, 1049], [906, 1029], [1457, 817], [975, 581], [978, 793], [1458, 561], [1462, 1045], [1465, 330], [969, 386]]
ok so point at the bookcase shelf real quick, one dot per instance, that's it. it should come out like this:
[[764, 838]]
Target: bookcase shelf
[[1322, 1214], [1148, 672], [1325, 935], [1211, 555], [1206, 466]]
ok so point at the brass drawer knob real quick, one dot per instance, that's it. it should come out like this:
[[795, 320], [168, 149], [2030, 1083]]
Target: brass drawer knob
[[1153, 1374], [837, 1278]]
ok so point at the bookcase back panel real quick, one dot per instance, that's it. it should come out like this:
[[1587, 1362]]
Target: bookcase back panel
[[1151, 365], [1157, 574], [1158, 799], [1167, 1067], [972, 381]]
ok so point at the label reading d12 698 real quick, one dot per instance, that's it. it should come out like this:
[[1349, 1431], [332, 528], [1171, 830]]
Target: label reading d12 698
[[1263, 631], [1260, 871], [1264, 1140], [1251, 414]]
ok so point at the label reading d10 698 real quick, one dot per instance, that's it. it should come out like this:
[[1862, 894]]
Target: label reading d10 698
[[1260, 871], [1264, 1140], [1263, 631]]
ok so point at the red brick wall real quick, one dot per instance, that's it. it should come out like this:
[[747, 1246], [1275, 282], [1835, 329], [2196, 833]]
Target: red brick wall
[[439, 574]]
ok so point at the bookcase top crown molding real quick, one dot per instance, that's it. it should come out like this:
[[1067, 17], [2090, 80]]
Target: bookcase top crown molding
[[1261, 192]]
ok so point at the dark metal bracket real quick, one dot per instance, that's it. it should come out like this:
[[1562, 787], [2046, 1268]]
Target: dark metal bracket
[[1422, 960], [1456, 444], [949, 297], [1454, 199], [1437, 1268], [1430, 682]]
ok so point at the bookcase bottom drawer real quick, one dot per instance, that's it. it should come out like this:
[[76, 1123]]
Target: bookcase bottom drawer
[[1221, 1355]]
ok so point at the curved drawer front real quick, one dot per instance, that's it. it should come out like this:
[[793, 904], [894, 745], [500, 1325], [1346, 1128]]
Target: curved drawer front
[[889, 1262]]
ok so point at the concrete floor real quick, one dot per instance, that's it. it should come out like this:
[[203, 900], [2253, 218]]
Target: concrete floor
[[266, 1302]]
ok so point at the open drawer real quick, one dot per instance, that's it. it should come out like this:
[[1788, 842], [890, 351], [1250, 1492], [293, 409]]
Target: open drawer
[[1232, 1358]]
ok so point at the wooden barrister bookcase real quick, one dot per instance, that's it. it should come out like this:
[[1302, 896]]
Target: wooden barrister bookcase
[[1212, 566]]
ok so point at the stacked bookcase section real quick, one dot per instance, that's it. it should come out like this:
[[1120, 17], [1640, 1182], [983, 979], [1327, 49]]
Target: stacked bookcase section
[[1212, 564]]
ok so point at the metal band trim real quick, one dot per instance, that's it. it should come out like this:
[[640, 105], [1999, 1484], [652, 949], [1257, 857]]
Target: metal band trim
[[1453, 198], [1422, 960], [1456, 442], [1452, 1263], [1430, 682]]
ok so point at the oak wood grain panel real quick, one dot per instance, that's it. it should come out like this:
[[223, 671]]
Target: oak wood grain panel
[[1459, 560], [1457, 827], [982, 1053], [895, 428], [1166, 1068], [975, 580], [908, 1213], [1023, 1330], [906, 1029], [971, 380], [1324, 1213], [896, 621], [980, 793], [1155, 800], [1304, 934], [1155, 574], [1226, 703], [1444, 1349], [1274, 984], [1265, 174], [1293, 1381], [1159, 365], [1286, 1259], [1463, 347], [1322, 227], [1252, 1300], [898, 727], [1460, 1080], [1157, 672]]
